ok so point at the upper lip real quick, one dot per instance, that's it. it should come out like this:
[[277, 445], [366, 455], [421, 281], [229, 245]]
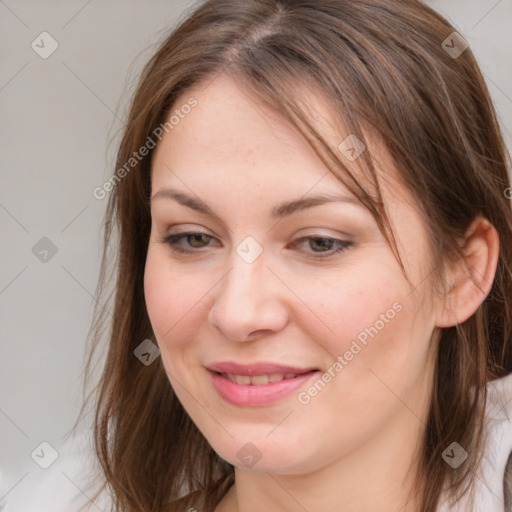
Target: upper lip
[[257, 368]]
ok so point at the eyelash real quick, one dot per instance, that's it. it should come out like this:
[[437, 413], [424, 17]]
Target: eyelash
[[173, 240]]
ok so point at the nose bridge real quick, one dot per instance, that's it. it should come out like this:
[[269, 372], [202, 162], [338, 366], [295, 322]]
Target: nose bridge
[[248, 269], [242, 281], [246, 300]]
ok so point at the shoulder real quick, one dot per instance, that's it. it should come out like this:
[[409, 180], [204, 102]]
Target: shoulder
[[493, 486], [188, 503], [498, 458], [499, 420]]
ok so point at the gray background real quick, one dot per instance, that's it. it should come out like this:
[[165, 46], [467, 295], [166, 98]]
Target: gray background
[[61, 120]]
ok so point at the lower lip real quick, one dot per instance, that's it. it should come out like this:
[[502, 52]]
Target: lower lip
[[264, 394]]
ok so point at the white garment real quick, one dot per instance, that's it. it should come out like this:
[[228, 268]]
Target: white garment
[[489, 492]]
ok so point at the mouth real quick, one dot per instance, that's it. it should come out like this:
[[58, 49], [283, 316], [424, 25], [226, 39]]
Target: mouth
[[258, 380], [257, 368], [257, 384]]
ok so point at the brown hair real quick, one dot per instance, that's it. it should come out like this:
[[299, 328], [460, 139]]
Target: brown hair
[[381, 65]]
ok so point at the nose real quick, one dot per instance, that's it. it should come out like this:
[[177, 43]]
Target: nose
[[249, 302]]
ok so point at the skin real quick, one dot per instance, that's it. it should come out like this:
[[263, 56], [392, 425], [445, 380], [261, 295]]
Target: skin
[[354, 446]]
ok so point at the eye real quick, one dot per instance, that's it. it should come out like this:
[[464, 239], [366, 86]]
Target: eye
[[326, 246], [195, 238], [323, 247]]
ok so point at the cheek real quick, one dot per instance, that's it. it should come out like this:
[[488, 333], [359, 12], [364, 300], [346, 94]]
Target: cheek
[[357, 308], [176, 301], [378, 350], [371, 333], [168, 302]]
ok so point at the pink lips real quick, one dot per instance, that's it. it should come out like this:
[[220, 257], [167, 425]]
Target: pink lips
[[256, 395]]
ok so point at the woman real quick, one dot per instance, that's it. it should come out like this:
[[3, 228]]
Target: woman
[[313, 279]]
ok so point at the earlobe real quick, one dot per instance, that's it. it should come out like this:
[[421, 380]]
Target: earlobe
[[472, 276]]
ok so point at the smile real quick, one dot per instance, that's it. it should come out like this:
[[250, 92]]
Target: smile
[[258, 380], [258, 390]]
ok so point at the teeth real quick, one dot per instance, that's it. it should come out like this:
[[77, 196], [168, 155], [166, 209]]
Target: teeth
[[242, 379], [258, 380]]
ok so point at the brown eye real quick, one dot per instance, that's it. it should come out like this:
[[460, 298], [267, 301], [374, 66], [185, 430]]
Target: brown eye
[[322, 243], [195, 240], [323, 247]]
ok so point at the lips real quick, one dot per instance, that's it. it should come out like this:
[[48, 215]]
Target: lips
[[257, 384]]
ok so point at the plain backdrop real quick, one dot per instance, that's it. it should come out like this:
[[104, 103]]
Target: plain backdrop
[[60, 121]]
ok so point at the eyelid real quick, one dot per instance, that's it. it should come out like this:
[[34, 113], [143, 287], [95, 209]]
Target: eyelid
[[307, 232], [183, 228], [317, 233]]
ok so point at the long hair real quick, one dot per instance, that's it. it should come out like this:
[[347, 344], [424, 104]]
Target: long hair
[[394, 68]]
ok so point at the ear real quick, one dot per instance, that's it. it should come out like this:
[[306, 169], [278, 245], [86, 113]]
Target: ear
[[471, 276]]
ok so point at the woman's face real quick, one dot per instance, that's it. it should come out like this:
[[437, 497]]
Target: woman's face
[[307, 299]]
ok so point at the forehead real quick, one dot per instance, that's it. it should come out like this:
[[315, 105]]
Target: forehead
[[231, 136], [232, 140]]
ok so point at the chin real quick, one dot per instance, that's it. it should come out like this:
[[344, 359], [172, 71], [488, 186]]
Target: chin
[[264, 455]]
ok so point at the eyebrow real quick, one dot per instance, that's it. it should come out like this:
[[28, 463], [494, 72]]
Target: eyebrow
[[278, 212]]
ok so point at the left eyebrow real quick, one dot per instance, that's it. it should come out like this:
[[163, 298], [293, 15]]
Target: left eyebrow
[[289, 207], [278, 212]]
